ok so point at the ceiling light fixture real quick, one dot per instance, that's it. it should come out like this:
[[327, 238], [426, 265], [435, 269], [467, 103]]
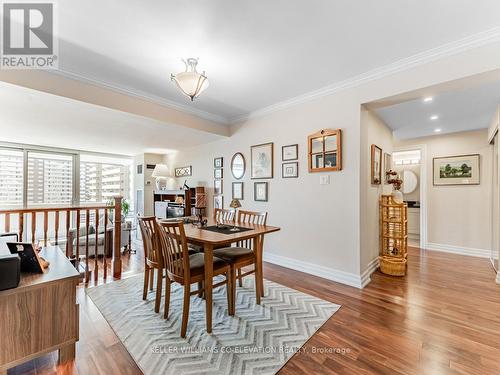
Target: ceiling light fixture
[[428, 99], [438, 130], [190, 82], [434, 117]]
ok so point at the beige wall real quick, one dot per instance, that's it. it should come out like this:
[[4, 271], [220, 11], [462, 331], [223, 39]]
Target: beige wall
[[373, 131], [458, 216], [324, 226]]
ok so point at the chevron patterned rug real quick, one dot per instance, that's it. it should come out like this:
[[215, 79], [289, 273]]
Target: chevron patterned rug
[[257, 340]]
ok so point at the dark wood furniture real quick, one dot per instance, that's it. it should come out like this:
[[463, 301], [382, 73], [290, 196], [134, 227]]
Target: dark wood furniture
[[153, 259], [40, 315], [209, 240], [186, 269]]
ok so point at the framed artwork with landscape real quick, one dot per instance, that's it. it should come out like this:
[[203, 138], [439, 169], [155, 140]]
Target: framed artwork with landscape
[[262, 159], [456, 170]]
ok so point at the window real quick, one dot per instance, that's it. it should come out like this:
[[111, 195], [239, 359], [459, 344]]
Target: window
[[11, 177], [50, 179], [102, 179]]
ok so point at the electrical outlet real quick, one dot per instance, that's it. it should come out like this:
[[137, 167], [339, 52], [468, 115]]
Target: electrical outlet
[[324, 180]]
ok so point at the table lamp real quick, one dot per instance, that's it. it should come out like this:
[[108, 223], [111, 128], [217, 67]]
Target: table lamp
[[161, 172], [235, 203]]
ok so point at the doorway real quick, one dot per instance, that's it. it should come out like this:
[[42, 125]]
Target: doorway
[[410, 164]]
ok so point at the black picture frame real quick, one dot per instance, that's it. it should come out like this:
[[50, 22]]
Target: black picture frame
[[218, 170], [220, 189], [266, 187], [241, 197], [219, 163], [296, 175], [296, 151]]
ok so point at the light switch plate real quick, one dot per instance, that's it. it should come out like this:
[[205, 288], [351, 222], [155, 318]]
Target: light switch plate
[[324, 180]]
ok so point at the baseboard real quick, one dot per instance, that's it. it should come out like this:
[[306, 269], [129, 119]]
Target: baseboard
[[365, 276], [332, 274], [469, 251]]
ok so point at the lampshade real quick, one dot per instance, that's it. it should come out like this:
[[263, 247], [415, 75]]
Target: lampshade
[[161, 170], [190, 82], [235, 203], [179, 200]]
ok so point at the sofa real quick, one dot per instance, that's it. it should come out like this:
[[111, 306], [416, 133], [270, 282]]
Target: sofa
[[102, 246]]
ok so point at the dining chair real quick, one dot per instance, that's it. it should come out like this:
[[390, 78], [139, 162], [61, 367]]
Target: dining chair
[[186, 269], [242, 255], [223, 215], [153, 258]]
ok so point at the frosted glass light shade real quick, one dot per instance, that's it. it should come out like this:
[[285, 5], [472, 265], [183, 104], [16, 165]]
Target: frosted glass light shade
[[191, 83]]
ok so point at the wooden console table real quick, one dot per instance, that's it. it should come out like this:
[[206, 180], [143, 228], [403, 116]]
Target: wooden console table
[[40, 315]]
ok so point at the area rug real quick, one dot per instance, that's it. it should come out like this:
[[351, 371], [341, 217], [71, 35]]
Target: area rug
[[259, 339]]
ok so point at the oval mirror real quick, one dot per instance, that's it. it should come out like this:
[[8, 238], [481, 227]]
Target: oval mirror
[[410, 182], [238, 165]]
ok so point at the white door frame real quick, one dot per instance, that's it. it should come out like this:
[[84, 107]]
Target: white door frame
[[423, 188]]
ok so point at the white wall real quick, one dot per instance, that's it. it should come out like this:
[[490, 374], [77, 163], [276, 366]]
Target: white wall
[[322, 225], [458, 216], [373, 131]]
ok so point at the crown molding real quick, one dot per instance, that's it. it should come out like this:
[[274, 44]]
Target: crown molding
[[445, 50], [142, 95]]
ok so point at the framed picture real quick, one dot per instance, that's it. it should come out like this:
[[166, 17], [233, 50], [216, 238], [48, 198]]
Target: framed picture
[[290, 152], [290, 170], [218, 162], [218, 201], [456, 170], [218, 187], [218, 173], [387, 167], [184, 171], [262, 158], [260, 191], [376, 165], [238, 190]]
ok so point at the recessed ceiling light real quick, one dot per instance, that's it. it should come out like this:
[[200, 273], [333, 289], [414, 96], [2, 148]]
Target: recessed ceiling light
[[438, 130], [428, 99], [434, 117]]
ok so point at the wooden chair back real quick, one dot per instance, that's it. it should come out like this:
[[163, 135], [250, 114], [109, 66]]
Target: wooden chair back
[[174, 246], [152, 252], [221, 214], [251, 217]]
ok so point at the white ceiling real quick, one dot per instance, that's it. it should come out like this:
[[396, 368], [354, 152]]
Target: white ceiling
[[34, 117], [256, 53], [458, 110]]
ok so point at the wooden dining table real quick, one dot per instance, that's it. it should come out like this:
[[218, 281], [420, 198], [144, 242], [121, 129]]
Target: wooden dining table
[[209, 240]]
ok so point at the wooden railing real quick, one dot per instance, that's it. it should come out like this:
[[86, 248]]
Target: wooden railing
[[73, 226]]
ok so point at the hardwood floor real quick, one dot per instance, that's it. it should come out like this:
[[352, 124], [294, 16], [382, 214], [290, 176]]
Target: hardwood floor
[[442, 318]]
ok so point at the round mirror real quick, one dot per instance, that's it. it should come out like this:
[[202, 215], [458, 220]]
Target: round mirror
[[410, 182], [238, 165]]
